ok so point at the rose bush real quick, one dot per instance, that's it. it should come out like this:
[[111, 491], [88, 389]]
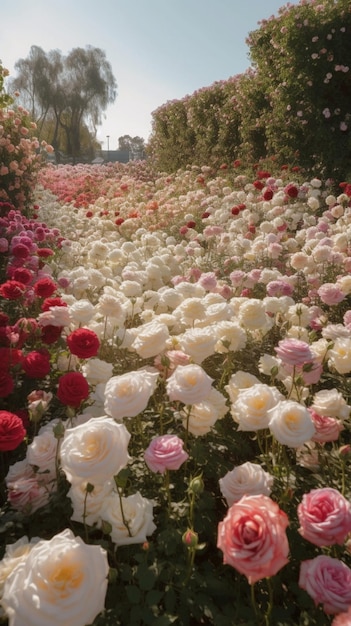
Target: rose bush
[[172, 370]]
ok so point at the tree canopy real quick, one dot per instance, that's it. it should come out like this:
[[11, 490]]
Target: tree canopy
[[66, 95]]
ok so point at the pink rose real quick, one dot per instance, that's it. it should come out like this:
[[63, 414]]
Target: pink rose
[[165, 452], [324, 516], [327, 428], [294, 352], [252, 537], [328, 582], [330, 294]]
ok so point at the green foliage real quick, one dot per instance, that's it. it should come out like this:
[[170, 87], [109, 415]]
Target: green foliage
[[294, 103]]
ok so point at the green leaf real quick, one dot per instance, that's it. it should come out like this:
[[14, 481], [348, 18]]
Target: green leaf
[[133, 594], [146, 577]]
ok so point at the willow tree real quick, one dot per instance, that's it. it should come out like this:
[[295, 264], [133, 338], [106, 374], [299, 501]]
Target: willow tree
[[67, 93]]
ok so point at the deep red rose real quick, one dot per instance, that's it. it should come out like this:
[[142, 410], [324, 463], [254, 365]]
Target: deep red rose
[[49, 302], [36, 364], [50, 334], [12, 431], [83, 343], [268, 194], [20, 251], [6, 384], [72, 389], [9, 357], [44, 287], [12, 290], [291, 190], [23, 275], [45, 252]]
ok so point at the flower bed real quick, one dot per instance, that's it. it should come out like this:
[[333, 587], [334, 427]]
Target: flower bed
[[175, 386]]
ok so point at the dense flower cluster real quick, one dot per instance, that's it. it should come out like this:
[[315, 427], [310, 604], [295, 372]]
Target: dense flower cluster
[[174, 375]]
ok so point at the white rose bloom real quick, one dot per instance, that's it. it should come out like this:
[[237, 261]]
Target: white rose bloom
[[240, 380], [42, 453], [253, 316], [88, 504], [131, 288], [203, 415], [112, 306], [198, 343], [81, 312], [95, 451], [97, 371], [151, 339], [189, 384], [330, 402], [216, 312], [246, 479], [189, 310], [267, 362], [128, 394], [340, 355], [291, 423], [230, 337], [137, 513], [251, 407], [55, 316], [62, 581], [15, 553]]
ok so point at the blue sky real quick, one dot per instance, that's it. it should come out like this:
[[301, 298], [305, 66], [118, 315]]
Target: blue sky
[[159, 50]]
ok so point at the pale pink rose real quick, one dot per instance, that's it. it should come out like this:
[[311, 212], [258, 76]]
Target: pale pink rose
[[328, 582], [165, 453], [330, 294], [343, 619], [324, 516], [28, 494], [327, 428], [252, 537], [294, 352]]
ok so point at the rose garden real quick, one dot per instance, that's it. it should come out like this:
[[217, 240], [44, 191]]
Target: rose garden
[[175, 360]]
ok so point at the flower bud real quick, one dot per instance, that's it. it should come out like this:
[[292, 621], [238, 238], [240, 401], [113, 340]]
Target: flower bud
[[190, 538], [196, 485]]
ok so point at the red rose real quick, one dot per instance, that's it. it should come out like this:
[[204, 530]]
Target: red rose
[[12, 290], [44, 252], [84, 343], [49, 302], [36, 364], [50, 334], [9, 357], [72, 389], [23, 275], [12, 431], [6, 384], [44, 287], [25, 327]]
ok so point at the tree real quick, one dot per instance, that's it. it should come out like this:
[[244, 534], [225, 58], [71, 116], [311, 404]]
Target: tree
[[70, 92], [134, 145]]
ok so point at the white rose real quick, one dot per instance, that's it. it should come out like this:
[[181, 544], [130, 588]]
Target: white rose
[[97, 371], [189, 310], [87, 504], [246, 479], [42, 453], [330, 402], [62, 581], [253, 316], [95, 451], [112, 306], [203, 415], [128, 394], [239, 380], [251, 408], [340, 355], [150, 339], [81, 312], [189, 384], [291, 423], [15, 553], [230, 337], [55, 316], [132, 525], [199, 343]]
